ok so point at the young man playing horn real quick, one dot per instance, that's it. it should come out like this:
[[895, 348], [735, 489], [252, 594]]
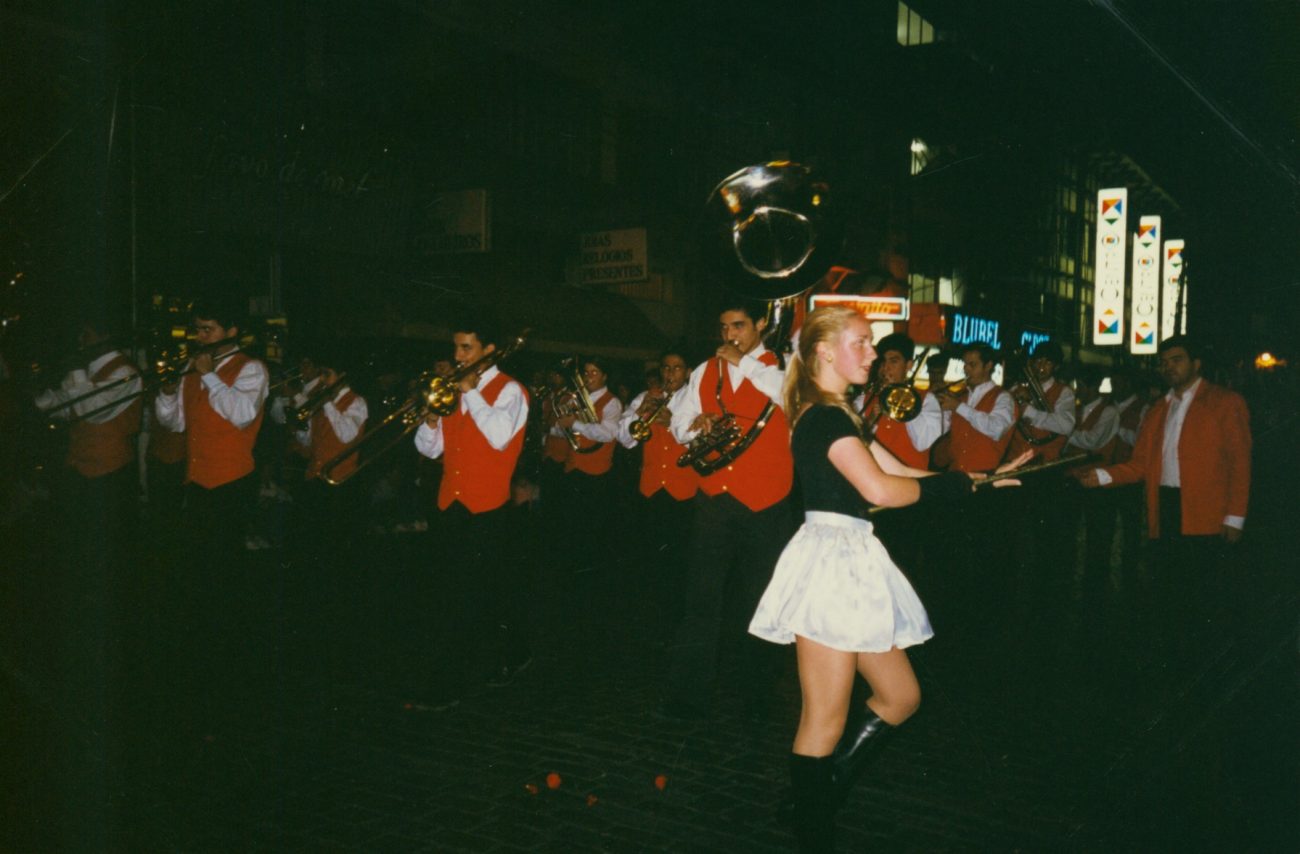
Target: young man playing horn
[[666, 486], [742, 516], [480, 443]]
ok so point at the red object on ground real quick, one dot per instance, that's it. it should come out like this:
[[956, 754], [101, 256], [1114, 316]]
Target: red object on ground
[[661, 782], [531, 788], [553, 780], [592, 800]]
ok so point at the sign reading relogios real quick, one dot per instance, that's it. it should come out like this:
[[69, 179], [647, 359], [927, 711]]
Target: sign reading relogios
[[612, 257]]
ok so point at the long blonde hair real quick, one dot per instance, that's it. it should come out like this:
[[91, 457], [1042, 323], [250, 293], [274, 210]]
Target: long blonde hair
[[801, 390]]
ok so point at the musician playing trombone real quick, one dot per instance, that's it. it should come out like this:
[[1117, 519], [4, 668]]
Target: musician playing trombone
[[218, 404], [1043, 429], [480, 443]]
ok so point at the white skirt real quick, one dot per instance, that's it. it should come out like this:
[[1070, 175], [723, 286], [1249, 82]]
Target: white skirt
[[835, 584]]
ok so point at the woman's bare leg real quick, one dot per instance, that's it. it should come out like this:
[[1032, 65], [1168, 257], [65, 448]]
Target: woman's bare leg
[[895, 693], [826, 680]]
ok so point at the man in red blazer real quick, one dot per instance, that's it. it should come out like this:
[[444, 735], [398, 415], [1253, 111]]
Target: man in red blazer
[[1193, 457]]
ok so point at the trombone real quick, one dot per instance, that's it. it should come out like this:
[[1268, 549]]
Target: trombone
[[900, 401], [433, 395], [321, 396]]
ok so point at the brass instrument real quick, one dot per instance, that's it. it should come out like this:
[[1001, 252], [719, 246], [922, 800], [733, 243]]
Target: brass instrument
[[640, 428], [901, 401], [291, 376], [1031, 391], [573, 399], [724, 440], [321, 396], [432, 395]]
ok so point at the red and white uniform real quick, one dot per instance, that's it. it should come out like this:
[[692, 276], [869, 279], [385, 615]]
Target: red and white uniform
[[480, 443], [102, 443], [659, 469], [910, 441], [595, 451], [1131, 411], [1052, 428], [220, 412], [981, 428], [764, 473], [1098, 430], [333, 428]]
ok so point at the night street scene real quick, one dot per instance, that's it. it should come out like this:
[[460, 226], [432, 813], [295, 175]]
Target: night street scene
[[447, 426]]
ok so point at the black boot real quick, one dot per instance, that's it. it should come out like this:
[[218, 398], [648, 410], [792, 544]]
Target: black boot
[[861, 739], [813, 786]]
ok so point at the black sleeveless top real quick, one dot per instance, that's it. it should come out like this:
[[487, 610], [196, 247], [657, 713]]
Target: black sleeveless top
[[824, 488]]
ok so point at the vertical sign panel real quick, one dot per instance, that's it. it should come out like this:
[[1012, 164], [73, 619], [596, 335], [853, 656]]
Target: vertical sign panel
[[1108, 297], [1144, 317], [1173, 270]]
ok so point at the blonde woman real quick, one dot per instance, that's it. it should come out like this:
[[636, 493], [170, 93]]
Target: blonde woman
[[835, 592]]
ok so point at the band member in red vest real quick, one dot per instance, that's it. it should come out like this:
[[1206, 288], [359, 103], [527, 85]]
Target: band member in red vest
[[219, 406], [480, 443], [1193, 457], [742, 516], [1042, 431], [1095, 435], [101, 398], [980, 419], [665, 517], [588, 487], [909, 442]]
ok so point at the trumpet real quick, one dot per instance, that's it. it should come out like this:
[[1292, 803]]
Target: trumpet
[[640, 428], [433, 395], [321, 396]]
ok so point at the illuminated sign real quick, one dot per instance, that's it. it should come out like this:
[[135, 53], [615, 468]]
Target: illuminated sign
[[1173, 271], [1144, 308], [1108, 294], [1029, 340], [872, 308], [968, 329]]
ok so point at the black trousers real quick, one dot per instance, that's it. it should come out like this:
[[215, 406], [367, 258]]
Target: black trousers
[[733, 549], [1187, 571], [663, 526]]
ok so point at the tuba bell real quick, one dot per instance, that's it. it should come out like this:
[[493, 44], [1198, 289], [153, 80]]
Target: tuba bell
[[573, 399]]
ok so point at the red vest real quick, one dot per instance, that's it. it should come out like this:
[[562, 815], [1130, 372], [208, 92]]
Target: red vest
[[95, 450], [893, 436], [218, 451], [325, 444], [764, 473], [971, 449], [659, 469], [1047, 451], [1130, 418], [554, 448], [475, 473], [591, 457]]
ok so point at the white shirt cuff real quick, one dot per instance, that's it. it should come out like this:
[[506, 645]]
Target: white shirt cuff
[[1103, 477], [1237, 522]]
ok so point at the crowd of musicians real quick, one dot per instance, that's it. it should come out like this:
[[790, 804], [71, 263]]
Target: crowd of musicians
[[564, 466]]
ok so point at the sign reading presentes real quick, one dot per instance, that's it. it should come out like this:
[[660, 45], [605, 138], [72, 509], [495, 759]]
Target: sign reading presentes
[[612, 257], [1173, 270], [872, 308], [1108, 296], [1144, 312]]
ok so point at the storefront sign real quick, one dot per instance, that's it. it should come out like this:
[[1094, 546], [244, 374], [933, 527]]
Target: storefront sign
[[872, 308], [454, 223], [1108, 295], [967, 329], [1144, 308], [612, 257], [1173, 271]]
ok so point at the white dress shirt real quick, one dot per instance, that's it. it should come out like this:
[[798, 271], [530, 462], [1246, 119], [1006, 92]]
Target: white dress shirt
[[604, 430], [347, 423], [1061, 419], [993, 424], [629, 415], [238, 403], [768, 379], [1103, 431], [498, 422], [78, 383], [1129, 437]]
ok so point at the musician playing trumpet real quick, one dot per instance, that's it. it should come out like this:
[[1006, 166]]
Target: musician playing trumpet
[[909, 441]]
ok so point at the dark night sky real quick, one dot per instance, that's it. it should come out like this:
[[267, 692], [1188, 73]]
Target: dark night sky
[[1204, 95]]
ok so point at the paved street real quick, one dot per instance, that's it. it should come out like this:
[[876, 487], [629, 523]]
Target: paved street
[[1040, 729]]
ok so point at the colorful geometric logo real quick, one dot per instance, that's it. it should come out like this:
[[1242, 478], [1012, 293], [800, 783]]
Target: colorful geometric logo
[[1146, 335], [1111, 209], [1147, 234], [1107, 326], [1110, 239], [1146, 261], [1174, 255]]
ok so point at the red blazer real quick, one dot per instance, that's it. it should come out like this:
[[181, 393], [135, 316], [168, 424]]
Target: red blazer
[[1213, 460]]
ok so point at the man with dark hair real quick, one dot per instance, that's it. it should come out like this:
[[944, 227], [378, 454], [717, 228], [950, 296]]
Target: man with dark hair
[[909, 441], [1044, 431], [980, 418], [742, 516], [1193, 455], [480, 443], [666, 486]]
